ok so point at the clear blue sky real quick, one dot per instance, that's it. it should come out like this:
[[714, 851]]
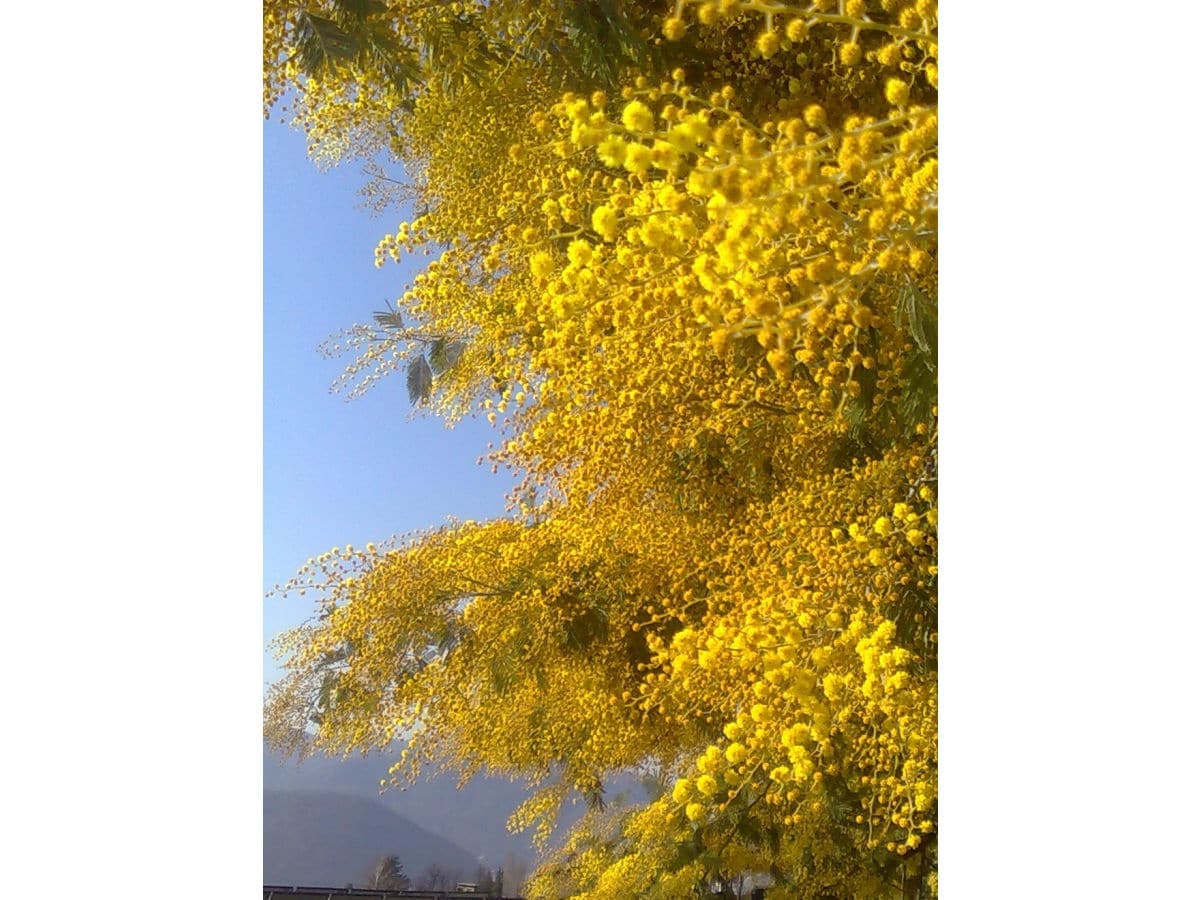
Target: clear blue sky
[[338, 472]]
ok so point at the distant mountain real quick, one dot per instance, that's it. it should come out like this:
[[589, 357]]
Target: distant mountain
[[473, 817], [332, 839]]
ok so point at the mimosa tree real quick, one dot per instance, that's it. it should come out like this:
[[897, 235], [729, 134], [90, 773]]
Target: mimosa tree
[[684, 257]]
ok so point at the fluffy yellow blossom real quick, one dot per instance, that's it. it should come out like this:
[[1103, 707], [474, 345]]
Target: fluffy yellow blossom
[[637, 159], [682, 790], [767, 43], [814, 115], [674, 29], [541, 264], [612, 151], [604, 222], [580, 252], [896, 91], [637, 117]]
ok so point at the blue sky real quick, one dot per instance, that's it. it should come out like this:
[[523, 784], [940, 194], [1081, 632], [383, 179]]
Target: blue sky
[[338, 472]]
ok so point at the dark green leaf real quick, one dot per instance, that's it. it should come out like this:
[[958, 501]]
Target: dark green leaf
[[420, 380], [390, 318], [921, 318], [685, 852], [501, 675], [320, 40], [918, 392], [585, 629], [358, 10], [444, 354], [603, 40]]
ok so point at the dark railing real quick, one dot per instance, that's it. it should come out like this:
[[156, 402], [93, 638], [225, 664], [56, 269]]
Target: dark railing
[[280, 892]]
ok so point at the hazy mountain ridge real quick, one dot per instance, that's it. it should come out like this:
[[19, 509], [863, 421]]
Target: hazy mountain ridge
[[331, 839], [472, 818]]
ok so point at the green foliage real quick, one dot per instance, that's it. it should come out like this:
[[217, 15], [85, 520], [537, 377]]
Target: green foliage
[[919, 372], [353, 31], [420, 380], [603, 41]]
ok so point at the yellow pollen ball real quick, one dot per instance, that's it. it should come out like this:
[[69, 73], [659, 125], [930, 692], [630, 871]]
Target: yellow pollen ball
[[637, 159], [768, 43], [896, 91], [797, 30], [604, 222], [637, 117]]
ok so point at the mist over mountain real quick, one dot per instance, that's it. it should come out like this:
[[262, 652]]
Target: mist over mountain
[[333, 839], [472, 818]]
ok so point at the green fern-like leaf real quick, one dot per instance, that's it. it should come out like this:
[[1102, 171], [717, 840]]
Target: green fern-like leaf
[[420, 380], [319, 41], [444, 354], [585, 629], [918, 395], [919, 314], [603, 39], [390, 318], [357, 10]]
